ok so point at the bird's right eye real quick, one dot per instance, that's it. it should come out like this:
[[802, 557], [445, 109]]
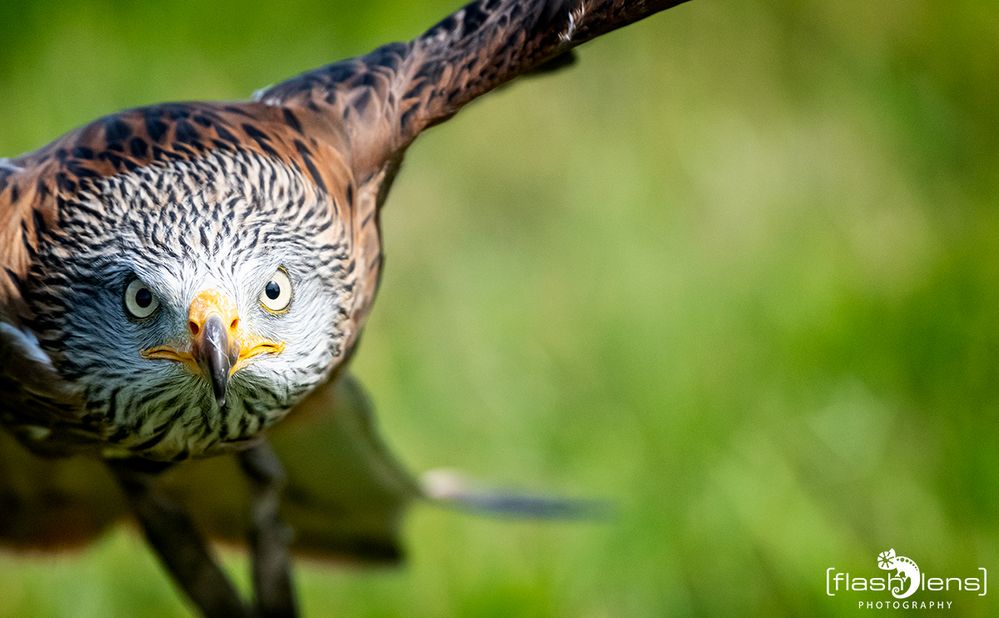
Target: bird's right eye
[[140, 302]]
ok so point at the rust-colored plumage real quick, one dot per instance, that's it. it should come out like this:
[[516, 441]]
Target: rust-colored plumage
[[317, 153]]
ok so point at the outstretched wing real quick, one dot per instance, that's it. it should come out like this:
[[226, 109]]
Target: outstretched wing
[[377, 104], [385, 99]]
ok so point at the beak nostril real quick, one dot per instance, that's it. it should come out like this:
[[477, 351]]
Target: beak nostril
[[235, 324], [194, 327]]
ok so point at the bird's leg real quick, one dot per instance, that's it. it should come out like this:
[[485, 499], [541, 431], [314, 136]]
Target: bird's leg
[[269, 536], [181, 548]]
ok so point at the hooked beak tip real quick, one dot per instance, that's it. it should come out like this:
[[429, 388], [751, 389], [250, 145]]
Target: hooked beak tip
[[216, 356]]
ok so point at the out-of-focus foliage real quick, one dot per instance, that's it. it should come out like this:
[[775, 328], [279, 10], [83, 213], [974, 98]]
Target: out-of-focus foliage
[[736, 271]]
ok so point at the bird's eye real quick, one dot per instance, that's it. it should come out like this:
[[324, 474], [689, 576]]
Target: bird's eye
[[276, 295], [140, 302]]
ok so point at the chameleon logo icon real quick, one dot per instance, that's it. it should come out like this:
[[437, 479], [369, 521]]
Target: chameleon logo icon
[[905, 568]]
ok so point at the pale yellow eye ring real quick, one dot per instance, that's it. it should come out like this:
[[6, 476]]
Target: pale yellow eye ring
[[140, 302], [276, 295]]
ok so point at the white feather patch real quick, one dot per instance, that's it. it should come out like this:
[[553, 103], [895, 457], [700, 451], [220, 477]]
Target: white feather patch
[[6, 164], [575, 17], [26, 343]]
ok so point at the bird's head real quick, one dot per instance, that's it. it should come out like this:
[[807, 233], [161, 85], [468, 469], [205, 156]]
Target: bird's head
[[195, 302]]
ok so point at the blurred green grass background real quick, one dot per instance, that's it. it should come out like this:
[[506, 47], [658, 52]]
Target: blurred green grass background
[[735, 272]]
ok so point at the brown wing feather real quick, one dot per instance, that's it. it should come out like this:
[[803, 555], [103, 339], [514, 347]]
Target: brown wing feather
[[380, 102], [385, 99]]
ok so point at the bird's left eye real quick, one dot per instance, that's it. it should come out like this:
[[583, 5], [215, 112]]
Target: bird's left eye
[[276, 295], [140, 302]]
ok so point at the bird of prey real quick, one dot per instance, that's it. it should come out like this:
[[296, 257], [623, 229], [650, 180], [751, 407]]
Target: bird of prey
[[177, 279]]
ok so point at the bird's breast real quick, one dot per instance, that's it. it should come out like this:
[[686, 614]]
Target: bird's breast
[[198, 428]]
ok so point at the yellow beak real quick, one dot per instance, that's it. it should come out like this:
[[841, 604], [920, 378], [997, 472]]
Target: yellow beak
[[218, 345]]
